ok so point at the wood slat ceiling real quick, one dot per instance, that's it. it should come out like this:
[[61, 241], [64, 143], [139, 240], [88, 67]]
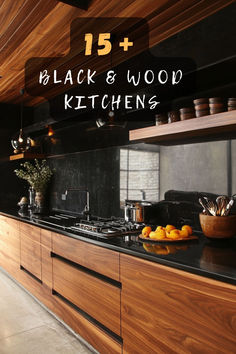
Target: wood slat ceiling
[[39, 28]]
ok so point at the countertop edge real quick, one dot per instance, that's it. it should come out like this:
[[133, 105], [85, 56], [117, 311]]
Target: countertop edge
[[156, 259]]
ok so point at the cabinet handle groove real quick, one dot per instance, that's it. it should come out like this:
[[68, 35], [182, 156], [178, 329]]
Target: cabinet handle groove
[[88, 271], [29, 273], [88, 317]]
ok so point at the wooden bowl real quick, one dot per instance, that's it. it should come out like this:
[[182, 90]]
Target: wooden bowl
[[218, 226]]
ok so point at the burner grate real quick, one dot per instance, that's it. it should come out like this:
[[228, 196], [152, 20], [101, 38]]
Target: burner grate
[[107, 228]]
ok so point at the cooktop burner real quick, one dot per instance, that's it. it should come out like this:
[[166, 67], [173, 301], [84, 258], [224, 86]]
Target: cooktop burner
[[99, 227], [107, 228]]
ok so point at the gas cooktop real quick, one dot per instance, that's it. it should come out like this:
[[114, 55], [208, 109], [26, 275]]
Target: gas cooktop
[[99, 227], [107, 228]]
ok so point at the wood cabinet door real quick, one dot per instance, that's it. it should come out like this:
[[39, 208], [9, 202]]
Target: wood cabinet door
[[165, 310], [46, 247], [96, 297], [30, 250], [99, 259], [9, 244]]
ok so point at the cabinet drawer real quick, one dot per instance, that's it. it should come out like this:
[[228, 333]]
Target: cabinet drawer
[[9, 244], [30, 231], [8, 226], [96, 297], [30, 256], [98, 259]]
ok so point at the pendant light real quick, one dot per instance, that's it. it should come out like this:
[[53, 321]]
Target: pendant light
[[109, 122], [21, 143]]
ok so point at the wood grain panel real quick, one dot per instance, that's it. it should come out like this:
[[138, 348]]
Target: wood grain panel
[[9, 243], [30, 256], [196, 127], [91, 333], [165, 310], [96, 258], [46, 247], [46, 238], [30, 231], [46, 266], [94, 296], [41, 28]]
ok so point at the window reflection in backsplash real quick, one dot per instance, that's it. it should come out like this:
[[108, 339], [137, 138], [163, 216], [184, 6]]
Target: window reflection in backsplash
[[139, 173]]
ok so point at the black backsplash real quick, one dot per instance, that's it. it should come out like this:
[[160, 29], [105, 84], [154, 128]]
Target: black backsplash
[[96, 171]]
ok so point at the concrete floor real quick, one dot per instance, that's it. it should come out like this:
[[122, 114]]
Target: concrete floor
[[27, 328]]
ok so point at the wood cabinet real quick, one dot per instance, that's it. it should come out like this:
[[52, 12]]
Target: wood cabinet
[[95, 296], [94, 335], [165, 310], [30, 250], [87, 291], [117, 302], [46, 248], [93, 257], [9, 244]]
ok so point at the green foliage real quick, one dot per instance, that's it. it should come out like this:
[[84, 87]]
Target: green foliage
[[37, 175]]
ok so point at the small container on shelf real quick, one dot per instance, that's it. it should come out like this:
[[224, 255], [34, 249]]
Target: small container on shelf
[[187, 113], [201, 107], [161, 118], [232, 104], [216, 105], [173, 116]]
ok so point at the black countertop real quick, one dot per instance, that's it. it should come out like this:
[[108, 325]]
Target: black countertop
[[212, 259]]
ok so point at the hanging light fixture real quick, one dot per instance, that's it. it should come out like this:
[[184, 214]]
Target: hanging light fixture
[[109, 122], [21, 143]]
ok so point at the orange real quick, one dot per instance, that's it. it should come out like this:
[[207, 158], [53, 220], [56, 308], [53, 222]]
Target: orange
[[152, 234], [188, 228], [174, 234], [184, 233], [160, 228], [146, 231], [158, 235], [170, 227]]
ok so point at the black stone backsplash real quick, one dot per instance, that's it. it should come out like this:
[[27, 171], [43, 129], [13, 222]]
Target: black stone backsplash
[[96, 171]]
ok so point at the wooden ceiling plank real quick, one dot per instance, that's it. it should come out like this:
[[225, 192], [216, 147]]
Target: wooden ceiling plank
[[71, 59], [107, 26], [170, 17], [8, 11], [60, 40], [182, 14], [9, 41], [21, 14], [26, 53]]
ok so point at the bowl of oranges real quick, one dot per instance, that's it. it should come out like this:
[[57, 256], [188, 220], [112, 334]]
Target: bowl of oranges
[[169, 233]]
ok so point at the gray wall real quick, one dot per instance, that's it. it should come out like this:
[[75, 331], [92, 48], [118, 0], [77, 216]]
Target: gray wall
[[195, 167]]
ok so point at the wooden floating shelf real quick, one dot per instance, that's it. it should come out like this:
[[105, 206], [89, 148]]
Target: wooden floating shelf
[[212, 127], [27, 156]]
